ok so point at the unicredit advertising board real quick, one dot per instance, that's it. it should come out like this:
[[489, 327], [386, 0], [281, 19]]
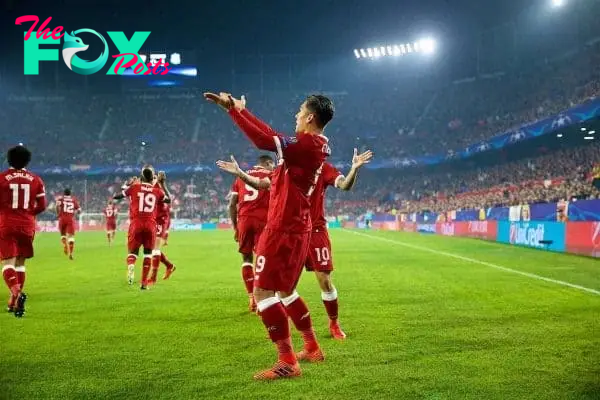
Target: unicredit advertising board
[[536, 234]]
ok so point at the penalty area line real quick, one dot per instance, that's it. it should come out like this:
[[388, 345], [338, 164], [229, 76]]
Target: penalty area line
[[475, 261]]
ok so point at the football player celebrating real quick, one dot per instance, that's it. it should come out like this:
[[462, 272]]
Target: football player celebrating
[[67, 208]]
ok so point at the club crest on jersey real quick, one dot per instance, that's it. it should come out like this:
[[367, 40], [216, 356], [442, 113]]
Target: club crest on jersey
[[288, 140]]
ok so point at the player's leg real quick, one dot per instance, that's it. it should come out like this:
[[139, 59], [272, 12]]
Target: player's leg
[[155, 256], [270, 259], [320, 261], [294, 305], [9, 251], [27, 252], [71, 241], [63, 236], [148, 243], [246, 244], [329, 296], [133, 245], [162, 258]]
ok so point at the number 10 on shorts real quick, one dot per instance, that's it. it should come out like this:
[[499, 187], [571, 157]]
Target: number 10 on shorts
[[323, 255]]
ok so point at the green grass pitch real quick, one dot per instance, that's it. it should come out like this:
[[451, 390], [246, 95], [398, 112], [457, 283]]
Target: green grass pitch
[[420, 325]]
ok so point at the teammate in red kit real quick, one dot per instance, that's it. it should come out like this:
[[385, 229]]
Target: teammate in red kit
[[163, 219], [144, 198], [22, 197], [283, 246], [67, 208], [110, 214], [319, 257], [248, 208]]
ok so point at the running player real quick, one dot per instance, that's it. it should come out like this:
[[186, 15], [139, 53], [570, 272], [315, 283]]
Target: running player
[[110, 214], [163, 218], [67, 208]]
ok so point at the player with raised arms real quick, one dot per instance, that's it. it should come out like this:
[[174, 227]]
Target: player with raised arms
[[110, 216], [144, 198], [67, 208], [163, 219], [283, 246], [319, 258], [248, 209], [22, 198]]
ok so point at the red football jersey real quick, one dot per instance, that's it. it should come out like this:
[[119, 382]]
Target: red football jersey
[[294, 180], [163, 212], [329, 176], [111, 212], [144, 200], [252, 202], [22, 197], [299, 164], [67, 206]]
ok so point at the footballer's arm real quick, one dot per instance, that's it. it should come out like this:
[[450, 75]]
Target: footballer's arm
[[233, 168], [358, 160]]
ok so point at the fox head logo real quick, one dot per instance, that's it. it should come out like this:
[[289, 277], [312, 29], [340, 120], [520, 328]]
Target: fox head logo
[[73, 45]]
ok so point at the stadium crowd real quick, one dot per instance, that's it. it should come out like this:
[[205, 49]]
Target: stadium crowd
[[395, 123]]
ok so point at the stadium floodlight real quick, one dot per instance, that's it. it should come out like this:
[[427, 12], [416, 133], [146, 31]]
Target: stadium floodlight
[[559, 135], [558, 3], [143, 143], [376, 52], [370, 52], [383, 53], [583, 129], [409, 48], [416, 46], [20, 143], [591, 132], [403, 49], [396, 50], [356, 53], [363, 53], [389, 51], [427, 45], [589, 138]]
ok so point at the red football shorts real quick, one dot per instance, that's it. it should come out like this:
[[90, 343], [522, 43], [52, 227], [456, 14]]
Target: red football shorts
[[111, 225], [279, 261], [249, 231], [141, 234], [319, 252], [15, 243], [66, 227], [162, 227]]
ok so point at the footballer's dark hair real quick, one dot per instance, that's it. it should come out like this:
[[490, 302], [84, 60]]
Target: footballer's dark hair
[[264, 159], [18, 157], [322, 107], [67, 192], [148, 174]]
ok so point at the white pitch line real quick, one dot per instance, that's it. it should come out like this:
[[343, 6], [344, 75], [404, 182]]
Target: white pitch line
[[475, 261]]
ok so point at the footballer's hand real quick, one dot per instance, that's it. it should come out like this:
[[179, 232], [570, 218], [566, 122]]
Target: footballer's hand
[[230, 166], [358, 160], [235, 235], [224, 100], [161, 177], [238, 104]]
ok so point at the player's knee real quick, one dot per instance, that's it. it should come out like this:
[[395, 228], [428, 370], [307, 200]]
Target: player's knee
[[325, 282]]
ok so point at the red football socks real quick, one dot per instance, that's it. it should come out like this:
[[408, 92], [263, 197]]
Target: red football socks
[[21, 276], [155, 264], [11, 279], [146, 269], [131, 259], [248, 277], [330, 301], [165, 261], [71, 246], [298, 311], [63, 240], [275, 320], [109, 237]]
